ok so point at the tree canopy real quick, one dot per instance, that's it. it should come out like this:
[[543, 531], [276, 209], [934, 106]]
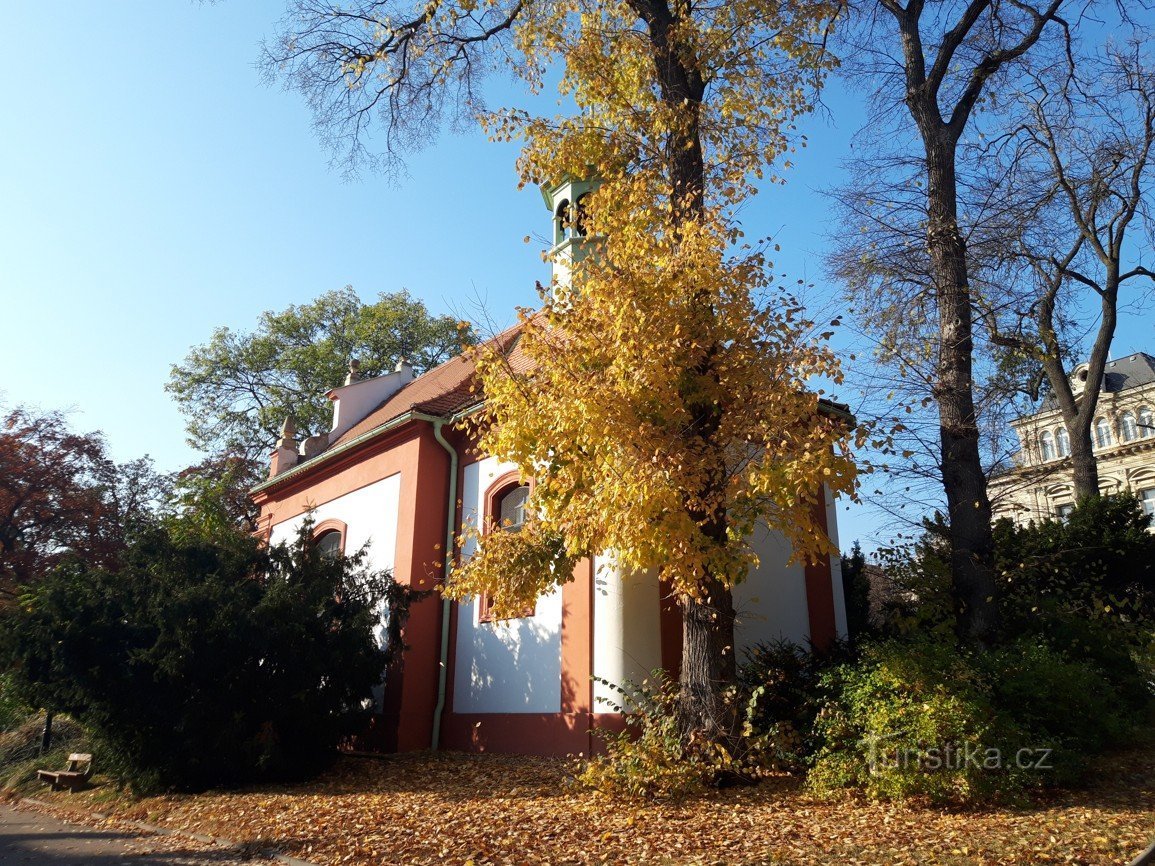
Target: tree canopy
[[62, 497], [236, 390], [262, 659]]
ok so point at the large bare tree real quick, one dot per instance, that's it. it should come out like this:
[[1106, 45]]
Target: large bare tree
[[940, 61], [1076, 171]]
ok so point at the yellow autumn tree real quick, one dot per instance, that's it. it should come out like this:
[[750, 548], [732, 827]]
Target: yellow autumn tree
[[666, 407]]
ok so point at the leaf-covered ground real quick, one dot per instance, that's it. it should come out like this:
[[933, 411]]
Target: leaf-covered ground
[[445, 808]]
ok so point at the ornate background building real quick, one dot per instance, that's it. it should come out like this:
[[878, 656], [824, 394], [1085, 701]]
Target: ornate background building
[[1123, 434]]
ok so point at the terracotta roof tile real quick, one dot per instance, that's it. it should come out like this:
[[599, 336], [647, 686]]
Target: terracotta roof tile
[[450, 387], [445, 389]]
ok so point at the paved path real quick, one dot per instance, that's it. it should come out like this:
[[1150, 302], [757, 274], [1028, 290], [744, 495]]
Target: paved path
[[37, 839]]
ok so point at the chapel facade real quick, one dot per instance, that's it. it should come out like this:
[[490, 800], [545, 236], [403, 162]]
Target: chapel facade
[[399, 472]]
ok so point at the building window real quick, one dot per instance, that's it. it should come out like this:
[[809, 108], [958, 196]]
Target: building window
[[506, 513], [1146, 423], [579, 220], [1047, 443], [1148, 499], [562, 222], [1128, 428], [1063, 442], [329, 543], [1102, 433], [329, 537], [1064, 511]]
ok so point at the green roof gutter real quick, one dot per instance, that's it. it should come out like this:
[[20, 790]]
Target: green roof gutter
[[446, 605], [324, 456]]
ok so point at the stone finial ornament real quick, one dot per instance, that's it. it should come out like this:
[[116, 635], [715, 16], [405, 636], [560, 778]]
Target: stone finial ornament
[[288, 433], [354, 372]]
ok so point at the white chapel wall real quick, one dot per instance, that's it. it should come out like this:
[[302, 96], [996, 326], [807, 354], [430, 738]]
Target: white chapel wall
[[370, 515], [370, 518], [507, 666]]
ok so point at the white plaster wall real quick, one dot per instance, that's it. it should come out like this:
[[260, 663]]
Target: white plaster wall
[[508, 666], [370, 515], [370, 518], [627, 638], [771, 602]]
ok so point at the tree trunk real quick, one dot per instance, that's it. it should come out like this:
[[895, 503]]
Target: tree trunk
[[965, 484], [707, 621], [708, 664], [1084, 465], [46, 733]]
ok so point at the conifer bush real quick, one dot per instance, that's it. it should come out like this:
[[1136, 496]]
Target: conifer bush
[[205, 661]]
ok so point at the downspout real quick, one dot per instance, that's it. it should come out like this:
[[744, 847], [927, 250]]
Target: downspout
[[450, 522]]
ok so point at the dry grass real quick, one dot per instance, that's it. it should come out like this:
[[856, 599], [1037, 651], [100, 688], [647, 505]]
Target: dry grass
[[447, 808]]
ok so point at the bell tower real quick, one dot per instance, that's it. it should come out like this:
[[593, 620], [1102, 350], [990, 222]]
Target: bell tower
[[566, 203]]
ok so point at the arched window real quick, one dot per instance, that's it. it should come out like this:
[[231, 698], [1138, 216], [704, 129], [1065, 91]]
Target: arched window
[[511, 508], [579, 219], [329, 543], [1102, 433], [329, 537], [1062, 442], [1128, 428], [506, 513], [561, 223], [1146, 423], [1047, 444]]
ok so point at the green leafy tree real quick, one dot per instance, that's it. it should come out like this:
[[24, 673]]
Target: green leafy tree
[[236, 389], [205, 662]]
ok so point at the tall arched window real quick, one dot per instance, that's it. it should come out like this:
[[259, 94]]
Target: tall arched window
[[1146, 423], [1102, 433], [1062, 442], [561, 223], [1047, 444], [1128, 428], [579, 218], [506, 507], [511, 508]]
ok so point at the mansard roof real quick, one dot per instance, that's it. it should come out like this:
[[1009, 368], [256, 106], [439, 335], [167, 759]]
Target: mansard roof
[[1120, 375]]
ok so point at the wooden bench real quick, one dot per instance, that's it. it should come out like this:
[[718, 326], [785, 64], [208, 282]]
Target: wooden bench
[[73, 778]]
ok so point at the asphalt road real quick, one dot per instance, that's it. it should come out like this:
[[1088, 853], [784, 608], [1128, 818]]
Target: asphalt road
[[28, 837]]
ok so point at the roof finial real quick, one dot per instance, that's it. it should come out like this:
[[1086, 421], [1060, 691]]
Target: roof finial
[[288, 433], [354, 371], [401, 363]]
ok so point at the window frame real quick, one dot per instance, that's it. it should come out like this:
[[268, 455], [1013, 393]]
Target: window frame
[[1047, 445], [1128, 429], [1147, 500], [1104, 437], [498, 489], [1146, 422], [328, 527]]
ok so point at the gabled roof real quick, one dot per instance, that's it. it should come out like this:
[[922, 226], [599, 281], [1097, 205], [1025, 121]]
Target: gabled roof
[[443, 391]]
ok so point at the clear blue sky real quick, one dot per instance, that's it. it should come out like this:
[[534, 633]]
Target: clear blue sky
[[152, 188]]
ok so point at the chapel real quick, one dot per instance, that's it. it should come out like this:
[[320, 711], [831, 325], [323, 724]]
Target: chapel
[[398, 472]]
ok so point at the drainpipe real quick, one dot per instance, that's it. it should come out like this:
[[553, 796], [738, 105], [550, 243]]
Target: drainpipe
[[450, 521]]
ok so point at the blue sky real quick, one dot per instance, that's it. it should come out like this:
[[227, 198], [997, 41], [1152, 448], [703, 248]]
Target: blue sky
[[153, 188]]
